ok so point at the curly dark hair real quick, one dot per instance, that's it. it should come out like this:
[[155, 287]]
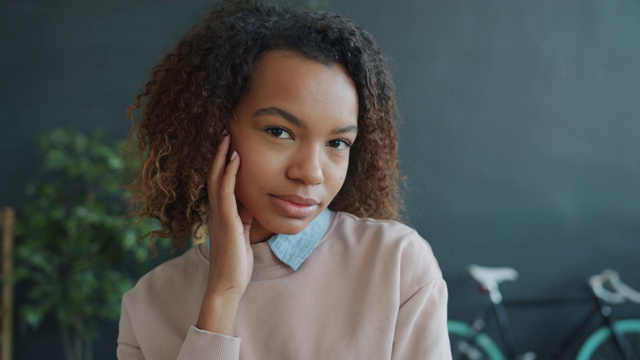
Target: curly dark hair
[[192, 91]]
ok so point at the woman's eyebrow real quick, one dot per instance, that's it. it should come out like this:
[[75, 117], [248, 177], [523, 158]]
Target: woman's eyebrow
[[274, 111], [346, 129]]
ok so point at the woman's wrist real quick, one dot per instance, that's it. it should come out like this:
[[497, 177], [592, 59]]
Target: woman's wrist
[[218, 313]]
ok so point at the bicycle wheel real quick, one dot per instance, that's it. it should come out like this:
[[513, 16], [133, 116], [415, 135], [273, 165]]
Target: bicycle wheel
[[600, 345], [467, 344]]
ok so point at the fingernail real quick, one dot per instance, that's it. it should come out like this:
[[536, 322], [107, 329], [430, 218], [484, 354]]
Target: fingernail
[[225, 132], [233, 155]]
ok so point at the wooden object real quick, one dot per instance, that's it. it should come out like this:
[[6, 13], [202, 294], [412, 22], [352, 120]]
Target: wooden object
[[6, 312]]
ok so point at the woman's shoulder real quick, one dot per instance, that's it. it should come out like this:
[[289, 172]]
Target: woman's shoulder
[[164, 302], [369, 224], [389, 239], [183, 271], [387, 232]]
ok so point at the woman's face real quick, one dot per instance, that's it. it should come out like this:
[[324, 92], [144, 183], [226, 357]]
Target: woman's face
[[293, 129]]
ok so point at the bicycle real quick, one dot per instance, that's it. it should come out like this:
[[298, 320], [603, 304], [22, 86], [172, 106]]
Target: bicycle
[[615, 339]]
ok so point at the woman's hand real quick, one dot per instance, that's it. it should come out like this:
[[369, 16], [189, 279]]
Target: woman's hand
[[231, 259]]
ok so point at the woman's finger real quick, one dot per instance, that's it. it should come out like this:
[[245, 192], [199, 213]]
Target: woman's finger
[[217, 168], [227, 186]]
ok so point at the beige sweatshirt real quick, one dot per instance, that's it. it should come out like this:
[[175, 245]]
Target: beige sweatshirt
[[370, 290]]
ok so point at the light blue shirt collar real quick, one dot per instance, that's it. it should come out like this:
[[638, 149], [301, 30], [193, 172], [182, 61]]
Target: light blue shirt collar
[[293, 250]]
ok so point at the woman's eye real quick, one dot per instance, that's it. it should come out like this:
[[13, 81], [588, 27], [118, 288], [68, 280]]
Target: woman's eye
[[340, 144], [279, 133]]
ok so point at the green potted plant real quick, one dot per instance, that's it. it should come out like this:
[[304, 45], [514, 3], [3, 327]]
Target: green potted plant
[[76, 251]]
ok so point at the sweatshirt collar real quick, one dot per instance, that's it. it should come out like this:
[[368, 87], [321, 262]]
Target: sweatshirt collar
[[293, 250]]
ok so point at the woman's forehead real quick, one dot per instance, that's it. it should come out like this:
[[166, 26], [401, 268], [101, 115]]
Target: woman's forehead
[[302, 87]]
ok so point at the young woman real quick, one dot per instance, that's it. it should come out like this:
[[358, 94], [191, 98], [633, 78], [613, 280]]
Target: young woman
[[274, 129]]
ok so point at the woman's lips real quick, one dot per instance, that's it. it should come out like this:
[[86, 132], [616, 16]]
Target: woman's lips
[[296, 199], [294, 205]]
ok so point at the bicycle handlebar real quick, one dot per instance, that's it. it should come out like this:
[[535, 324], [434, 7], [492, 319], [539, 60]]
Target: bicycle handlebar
[[619, 291]]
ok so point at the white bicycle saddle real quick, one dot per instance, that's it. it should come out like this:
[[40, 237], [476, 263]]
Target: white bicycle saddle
[[490, 277]]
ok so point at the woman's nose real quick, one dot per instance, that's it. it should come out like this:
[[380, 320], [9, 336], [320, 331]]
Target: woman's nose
[[306, 166]]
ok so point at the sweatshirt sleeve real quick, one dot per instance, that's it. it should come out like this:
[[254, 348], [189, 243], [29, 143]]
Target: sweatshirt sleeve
[[198, 345], [128, 348], [206, 345], [421, 328]]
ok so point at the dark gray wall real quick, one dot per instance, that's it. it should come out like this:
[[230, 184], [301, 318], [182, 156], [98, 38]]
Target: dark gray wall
[[519, 136]]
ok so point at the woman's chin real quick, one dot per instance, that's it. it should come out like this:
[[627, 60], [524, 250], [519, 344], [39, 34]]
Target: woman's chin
[[284, 227]]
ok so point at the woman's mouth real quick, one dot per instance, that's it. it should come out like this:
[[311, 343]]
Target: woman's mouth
[[296, 206]]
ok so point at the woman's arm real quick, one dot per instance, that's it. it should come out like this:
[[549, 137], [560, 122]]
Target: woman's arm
[[231, 258], [230, 269], [128, 348], [421, 328]]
